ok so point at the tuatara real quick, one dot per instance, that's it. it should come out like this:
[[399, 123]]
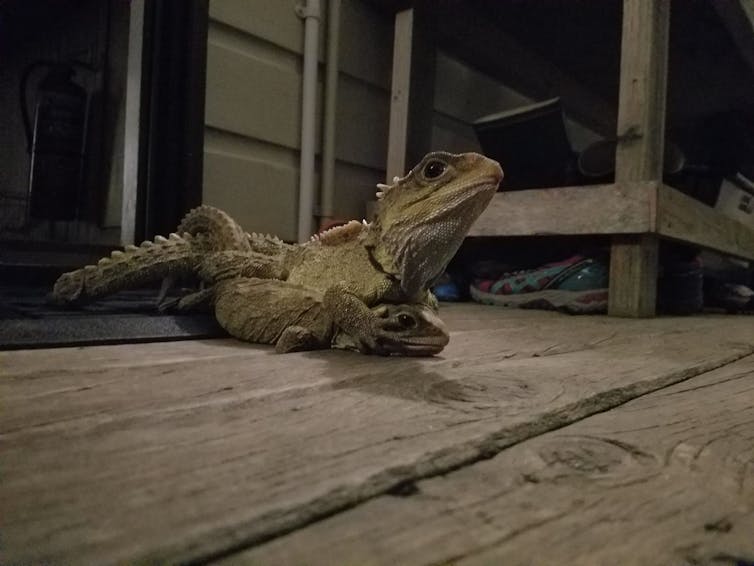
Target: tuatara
[[290, 316], [420, 222]]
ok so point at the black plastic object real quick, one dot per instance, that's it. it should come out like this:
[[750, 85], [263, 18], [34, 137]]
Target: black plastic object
[[530, 143], [57, 144], [27, 321]]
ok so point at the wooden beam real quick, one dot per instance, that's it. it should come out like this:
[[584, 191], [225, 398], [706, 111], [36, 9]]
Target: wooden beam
[[641, 121], [412, 91], [399, 90], [683, 218], [600, 209], [633, 275]]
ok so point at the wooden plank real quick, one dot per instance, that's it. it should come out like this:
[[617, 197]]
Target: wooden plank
[[641, 127], [633, 276], [110, 458], [598, 209], [683, 218], [399, 94], [643, 85], [412, 90], [664, 479]]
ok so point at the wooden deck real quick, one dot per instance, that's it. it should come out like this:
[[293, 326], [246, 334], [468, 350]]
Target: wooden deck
[[536, 438]]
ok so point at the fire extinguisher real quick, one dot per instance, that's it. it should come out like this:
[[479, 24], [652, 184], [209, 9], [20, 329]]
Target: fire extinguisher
[[55, 141]]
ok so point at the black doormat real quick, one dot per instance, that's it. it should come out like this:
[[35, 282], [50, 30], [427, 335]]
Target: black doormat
[[28, 321]]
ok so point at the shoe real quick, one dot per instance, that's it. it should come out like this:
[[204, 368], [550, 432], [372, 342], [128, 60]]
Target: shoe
[[729, 296], [446, 289], [577, 285]]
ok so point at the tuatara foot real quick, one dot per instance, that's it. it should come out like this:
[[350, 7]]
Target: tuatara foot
[[297, 339], [68, 288], [199, 300], [372, 333]]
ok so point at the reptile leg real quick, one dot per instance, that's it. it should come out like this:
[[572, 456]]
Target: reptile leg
[[269, 311], [371, 333], [300, 339], [198, 300]]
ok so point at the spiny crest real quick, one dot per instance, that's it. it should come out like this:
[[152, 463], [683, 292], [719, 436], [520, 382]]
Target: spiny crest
[[383, 188], [264, 237], [340, 234], [146, 245]]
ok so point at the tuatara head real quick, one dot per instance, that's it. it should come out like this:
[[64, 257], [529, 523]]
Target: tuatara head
[[414, 330], [422, 218]]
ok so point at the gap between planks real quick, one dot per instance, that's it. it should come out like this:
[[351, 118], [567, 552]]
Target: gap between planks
[[399, 480], [643, 357], [663, 479]]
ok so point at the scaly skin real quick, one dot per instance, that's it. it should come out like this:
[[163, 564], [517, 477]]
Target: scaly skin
[[135, 266], [421, 221], [293, 318]]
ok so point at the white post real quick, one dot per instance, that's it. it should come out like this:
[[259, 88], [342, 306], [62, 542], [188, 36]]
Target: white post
[[331, 94], [132, 123], [311, 14]]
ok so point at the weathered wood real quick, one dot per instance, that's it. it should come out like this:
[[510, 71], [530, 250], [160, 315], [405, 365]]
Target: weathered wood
[[126, 456], [639, 153], [633, 276], [665, 479], [412, 90], [599, 209], [399, 95], [644, 207], [643, 85], [683, 218]]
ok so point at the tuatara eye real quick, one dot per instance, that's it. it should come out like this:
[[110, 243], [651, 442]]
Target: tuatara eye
[[406, 321], [434, 169]]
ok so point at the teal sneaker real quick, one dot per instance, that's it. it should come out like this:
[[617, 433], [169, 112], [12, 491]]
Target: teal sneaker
[[577, 285]]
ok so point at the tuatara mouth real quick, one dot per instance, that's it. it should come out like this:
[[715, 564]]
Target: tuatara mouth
[[426, 347]]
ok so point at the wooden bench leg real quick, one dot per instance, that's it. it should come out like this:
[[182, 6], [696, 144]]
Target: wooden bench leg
[[633, 276]]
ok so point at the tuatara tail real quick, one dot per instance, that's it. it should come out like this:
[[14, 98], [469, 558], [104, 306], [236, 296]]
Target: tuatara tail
[[223, 232], [226, 234], [135, 266]]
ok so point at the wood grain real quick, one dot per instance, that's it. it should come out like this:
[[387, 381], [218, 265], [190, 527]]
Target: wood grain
[[683, 218], [187, 451], [664, 479], [639, 153], [633, 276], [598, 209], [412, 90], [399, 95], [642, 90]]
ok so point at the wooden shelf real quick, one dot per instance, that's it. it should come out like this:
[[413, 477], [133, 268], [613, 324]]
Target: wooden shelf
[[635, 62], [624, 208]]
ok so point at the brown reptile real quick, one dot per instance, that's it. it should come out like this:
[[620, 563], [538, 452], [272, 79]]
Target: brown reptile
[[350, 272]]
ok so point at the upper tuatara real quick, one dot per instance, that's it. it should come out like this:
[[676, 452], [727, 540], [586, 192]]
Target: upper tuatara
[[421, 221]]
